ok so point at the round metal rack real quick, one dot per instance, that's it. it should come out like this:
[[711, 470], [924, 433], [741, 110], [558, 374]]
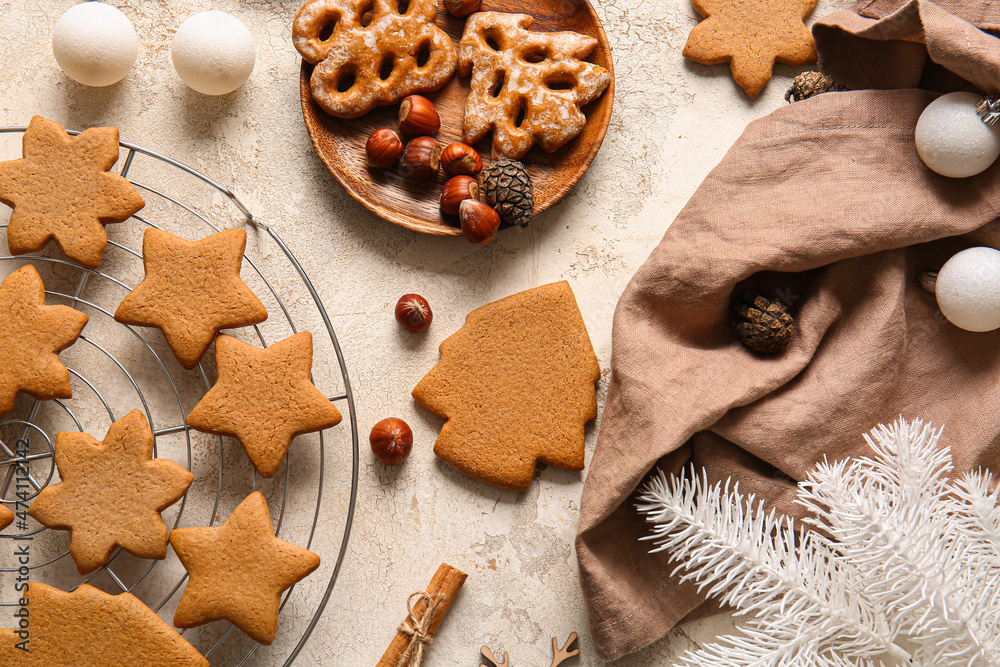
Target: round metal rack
[[308, 497]]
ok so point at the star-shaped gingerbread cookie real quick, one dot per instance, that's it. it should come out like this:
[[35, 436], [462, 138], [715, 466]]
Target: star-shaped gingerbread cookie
[[751, 35], [6, 517], [111, 493], [89, 628], [238, 571], [62, 189], [264, 398], [31, 337], [191, 290]]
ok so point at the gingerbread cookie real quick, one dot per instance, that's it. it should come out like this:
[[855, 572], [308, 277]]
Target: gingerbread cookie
[[89, 628], [516, 384], [526, 86], [6, 517], [374, 55], [191, 290], [238, 571], [751, 35], [264, 398], [111, 493], [62, 189], [31, 337]]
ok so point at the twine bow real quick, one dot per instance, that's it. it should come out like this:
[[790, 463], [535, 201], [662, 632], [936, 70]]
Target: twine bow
[[417, 629]]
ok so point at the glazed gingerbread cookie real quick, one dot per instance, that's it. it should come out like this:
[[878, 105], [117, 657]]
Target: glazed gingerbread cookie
[[62, 190], [375, 54], [526, 86], [191, 290], [118, 473], [89, 628], [751, 35], [6, 517], [31, 337], [516, 384], [264, 398], [238, 571]]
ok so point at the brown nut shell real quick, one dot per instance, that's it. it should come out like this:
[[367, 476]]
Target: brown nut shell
[[459, 158], [418, 116], [455, 191], [413, 313], [383, 149], [421, 158], [479, 222], [391, 441]]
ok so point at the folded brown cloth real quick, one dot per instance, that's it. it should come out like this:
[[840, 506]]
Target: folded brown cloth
[[825, 205]]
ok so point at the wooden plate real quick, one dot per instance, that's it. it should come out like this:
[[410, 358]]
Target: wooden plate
[[340, 143]]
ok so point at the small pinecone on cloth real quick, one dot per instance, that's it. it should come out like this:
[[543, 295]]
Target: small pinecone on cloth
[[810, 84], [508, 190], [761, 324]]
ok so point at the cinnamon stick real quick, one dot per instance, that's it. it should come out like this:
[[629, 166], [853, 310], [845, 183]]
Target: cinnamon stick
[[445, 585]]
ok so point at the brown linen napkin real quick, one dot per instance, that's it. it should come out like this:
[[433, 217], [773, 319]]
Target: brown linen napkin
[[826, 204]]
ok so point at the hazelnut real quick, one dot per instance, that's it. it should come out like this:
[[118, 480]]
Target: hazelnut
[[413, 313], [383, 149], [479, 222], [459, 158], [462, 8], [391, 440], [455, 191], [418, 116], [421, 158]]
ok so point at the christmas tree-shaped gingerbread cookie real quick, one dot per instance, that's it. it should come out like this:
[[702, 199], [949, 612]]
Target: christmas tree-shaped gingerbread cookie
[[516, 384]]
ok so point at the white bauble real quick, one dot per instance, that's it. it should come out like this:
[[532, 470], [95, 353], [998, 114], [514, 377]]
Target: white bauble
[[94, 44], [951, 138], [968, 289], [213, 52]]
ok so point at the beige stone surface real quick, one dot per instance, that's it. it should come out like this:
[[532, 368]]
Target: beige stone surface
[[673, 122]]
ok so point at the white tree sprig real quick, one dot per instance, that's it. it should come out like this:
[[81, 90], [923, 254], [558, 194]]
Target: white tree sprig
[[903, 556]]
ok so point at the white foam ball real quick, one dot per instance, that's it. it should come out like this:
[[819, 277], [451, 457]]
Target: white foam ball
[[213, 52], [968, 289], [951, 138], [94, 44]]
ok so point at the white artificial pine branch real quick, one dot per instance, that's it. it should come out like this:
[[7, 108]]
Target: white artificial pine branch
[[903, 554], [893, 515], [750, 560]]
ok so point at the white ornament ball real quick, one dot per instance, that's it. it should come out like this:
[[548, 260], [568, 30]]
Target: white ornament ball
[[951, 138], [968, 289], [94, 44], [213, 52]]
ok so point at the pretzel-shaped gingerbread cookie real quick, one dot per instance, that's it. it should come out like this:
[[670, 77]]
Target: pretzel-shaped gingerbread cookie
[[526, 86], [374, 53]]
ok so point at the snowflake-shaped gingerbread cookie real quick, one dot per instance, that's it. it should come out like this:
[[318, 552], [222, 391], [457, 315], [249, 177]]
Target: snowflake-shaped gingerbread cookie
[[370, 55], [527, 87]]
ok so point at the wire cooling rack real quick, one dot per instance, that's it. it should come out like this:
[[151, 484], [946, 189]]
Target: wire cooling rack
[[115, 368]]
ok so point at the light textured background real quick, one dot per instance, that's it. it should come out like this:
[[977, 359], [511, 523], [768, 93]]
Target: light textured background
[[673, 122]]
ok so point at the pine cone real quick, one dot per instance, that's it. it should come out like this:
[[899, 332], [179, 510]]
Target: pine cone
[[810, 84], [762, 325], [508, 190]]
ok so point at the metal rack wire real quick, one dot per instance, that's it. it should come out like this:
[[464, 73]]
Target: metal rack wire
[[30, 459]]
